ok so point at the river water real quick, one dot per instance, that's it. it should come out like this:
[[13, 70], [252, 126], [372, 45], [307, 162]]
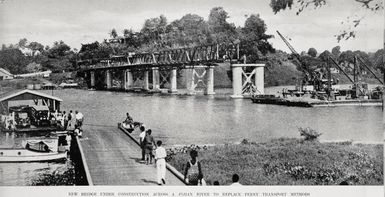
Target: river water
[[218, 119], [200, 119]]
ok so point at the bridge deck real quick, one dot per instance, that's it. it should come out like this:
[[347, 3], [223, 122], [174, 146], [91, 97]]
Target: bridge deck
[[114, 159]]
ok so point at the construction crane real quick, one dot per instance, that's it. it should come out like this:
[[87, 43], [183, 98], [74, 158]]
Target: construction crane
[[308, 75], [342, 70], [370, 70]]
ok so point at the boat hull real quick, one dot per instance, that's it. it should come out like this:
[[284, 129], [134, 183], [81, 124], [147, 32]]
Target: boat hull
[[24, 155]]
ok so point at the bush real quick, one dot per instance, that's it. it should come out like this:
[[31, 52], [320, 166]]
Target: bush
[[309, 134], [57, 177]]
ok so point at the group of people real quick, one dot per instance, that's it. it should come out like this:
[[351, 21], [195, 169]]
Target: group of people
[[148, 146], [193, 172], [73, 121], [151, 150]]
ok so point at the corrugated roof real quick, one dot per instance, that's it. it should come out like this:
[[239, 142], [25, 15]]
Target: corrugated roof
[[11, 94]]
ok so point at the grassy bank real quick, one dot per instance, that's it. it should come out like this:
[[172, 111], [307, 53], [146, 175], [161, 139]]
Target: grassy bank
[[288, 162], [57, 177]]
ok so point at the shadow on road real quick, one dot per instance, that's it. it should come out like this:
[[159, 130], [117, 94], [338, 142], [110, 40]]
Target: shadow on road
[[149, 181]]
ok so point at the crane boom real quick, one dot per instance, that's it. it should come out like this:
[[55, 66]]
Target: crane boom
[[296, 55], [367, 67], [342, 70], [288, 44]]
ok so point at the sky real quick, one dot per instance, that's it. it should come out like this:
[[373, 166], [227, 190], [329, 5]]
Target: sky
[[79, 22]]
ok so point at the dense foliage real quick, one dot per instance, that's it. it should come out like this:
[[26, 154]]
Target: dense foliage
[[26, 57]]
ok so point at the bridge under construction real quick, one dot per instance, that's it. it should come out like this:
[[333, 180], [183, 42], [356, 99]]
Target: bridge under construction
[[158, 71]]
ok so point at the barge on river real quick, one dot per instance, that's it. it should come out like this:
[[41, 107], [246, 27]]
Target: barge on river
[[308, 102]]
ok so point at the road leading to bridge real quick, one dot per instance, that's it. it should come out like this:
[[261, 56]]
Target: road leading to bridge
[[114, 159]]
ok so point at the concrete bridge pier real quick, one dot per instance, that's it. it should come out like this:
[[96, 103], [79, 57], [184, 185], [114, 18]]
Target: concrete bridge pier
[[210, 80], [173, 88], [237, 81], [155, 79], [260, 79], [128, 80], [145, 80], [190, 80], [109, 79], [92, 76], [242, 80]]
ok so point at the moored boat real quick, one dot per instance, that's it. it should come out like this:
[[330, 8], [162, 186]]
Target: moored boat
[[37, 149], [25, 155]]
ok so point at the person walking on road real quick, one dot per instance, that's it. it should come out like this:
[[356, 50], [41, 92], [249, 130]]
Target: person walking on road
[[79, 119], [149, 140], [193, 173], [142, 144], [160, 159], [71, 121]]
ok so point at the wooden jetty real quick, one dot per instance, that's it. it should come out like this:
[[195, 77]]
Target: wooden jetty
[[113, 158]]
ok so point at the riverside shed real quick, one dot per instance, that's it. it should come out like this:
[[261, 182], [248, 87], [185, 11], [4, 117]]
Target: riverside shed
[[26, 97]]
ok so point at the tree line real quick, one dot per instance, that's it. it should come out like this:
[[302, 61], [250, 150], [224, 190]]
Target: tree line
[[26, 57], [188, 31]]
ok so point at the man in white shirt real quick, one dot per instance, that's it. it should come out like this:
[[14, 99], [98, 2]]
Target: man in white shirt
[[79, 118], [160, 159], [142, 144]]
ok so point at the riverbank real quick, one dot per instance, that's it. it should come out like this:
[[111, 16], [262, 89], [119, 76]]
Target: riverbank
[[288, 161]]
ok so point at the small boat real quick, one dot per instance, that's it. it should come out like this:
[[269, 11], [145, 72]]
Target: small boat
[[38, 147], [36, 150], [130, 126], [25, 155]]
